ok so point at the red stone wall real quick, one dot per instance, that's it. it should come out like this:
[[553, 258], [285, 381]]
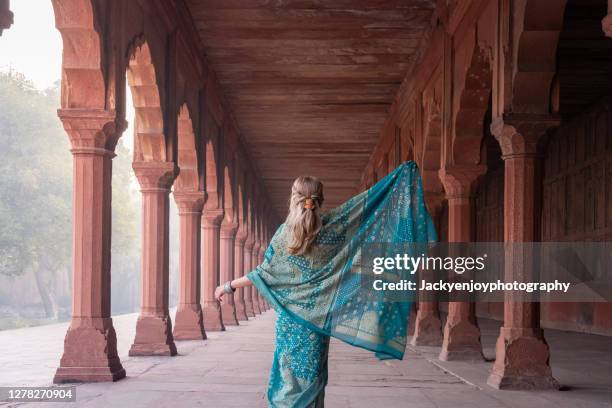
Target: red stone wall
[[578, 204], [489, 225], [489, 209]]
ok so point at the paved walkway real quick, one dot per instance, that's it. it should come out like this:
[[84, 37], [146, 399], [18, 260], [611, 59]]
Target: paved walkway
[[231, 369]]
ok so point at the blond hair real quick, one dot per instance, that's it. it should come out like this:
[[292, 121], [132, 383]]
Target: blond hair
[[303, 222]]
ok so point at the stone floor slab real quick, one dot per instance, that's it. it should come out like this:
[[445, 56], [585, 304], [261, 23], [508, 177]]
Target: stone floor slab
[[230, 369]]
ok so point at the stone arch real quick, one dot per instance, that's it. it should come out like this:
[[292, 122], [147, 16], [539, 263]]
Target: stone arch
[[83, 67], [432, 145], [248, 213], [241, 205], [473, 106], [408, 126], [540, 22], [149, 129], [212, 164], [189, 175], [229, 204]]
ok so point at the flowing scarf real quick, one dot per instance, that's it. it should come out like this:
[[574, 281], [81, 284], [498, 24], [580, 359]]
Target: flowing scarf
[[324, 290]]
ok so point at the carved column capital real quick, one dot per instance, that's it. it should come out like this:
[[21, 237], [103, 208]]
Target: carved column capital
[[212, 218], [520, 135], [155, 176], [189, 202], [241, 234], [460, 180], [248, 244], [228, 229], [92, 131]]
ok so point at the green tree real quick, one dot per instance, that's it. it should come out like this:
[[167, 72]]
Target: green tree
[[35, 174], [36, 199]]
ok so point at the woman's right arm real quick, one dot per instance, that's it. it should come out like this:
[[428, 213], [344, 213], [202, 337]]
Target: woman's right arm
[[235, 284]]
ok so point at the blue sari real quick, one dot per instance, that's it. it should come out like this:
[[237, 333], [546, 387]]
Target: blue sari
[[322, 294]]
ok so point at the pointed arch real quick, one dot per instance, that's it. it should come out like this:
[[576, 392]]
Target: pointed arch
[[229, 205], [473, 106], [432, 144], [149, 132], [241, 204], [212, 163], [83, 71], [188, 178], [540, 23]]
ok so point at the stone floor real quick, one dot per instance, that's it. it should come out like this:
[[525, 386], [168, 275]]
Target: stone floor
[[231, 369]]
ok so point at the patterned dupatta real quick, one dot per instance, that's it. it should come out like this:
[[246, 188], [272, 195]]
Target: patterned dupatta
[[325, 290]]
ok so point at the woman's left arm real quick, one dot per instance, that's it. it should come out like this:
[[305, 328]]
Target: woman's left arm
[[235, 284]]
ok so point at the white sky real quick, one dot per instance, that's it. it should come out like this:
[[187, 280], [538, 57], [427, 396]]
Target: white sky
[[33, 47]]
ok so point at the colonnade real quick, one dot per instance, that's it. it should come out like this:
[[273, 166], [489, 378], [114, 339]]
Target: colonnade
[[187, 147], [213, 248], [477, 80], [483, 59]]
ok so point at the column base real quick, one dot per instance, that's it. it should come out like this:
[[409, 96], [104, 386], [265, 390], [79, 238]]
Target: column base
[[427, 330], [412, 318], [188, 323], [461, 342], [213, 320], [241, 312], [228, 313], [522, 361], [153, 337], [256, 307], [90, 353], [250, 310]]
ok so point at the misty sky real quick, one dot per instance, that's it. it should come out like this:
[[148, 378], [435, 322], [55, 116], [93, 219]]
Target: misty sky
[[33, 47]]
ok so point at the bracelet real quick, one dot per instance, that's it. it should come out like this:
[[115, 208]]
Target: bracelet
[[227, 288]]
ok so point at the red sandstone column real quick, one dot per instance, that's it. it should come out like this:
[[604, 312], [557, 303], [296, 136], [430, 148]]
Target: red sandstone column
[[90, 345], [461, 333], [239, 296], [226, 264], [427, 324], [254, 263], [154, 327], [262, 301], [188, 323], [522, 354], [248, 291], [211, 224]]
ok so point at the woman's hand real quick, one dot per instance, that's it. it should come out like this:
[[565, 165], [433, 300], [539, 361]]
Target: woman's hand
[[219, 292]]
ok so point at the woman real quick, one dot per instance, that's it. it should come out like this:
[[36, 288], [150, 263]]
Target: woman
[[316, 273]]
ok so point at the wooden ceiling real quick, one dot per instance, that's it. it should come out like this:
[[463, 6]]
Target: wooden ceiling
[[310, 81]]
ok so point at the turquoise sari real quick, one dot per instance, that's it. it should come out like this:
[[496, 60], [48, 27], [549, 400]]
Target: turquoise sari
[[322, 294]]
